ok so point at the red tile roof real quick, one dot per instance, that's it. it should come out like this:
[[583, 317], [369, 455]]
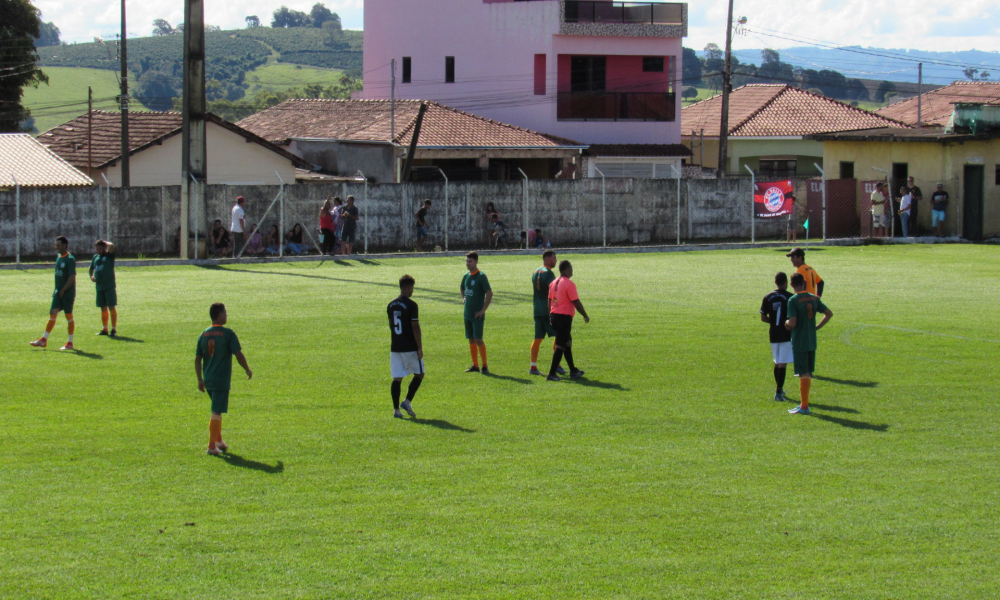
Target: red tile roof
[[937, 106], [775, 110], [145, 129], [370, 120], [31, 164]]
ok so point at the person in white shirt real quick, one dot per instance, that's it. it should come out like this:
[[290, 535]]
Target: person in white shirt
[[905, 203], [878, 210], [238, 225]]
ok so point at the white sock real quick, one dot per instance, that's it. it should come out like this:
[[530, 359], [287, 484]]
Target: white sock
[[45, 335], [534, 365], [71, 338]]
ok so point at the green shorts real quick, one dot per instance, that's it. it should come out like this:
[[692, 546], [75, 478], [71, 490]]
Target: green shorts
[[543, 328], [805, 362], [220, 401], [65, 303], [474, 328], [107, 298]]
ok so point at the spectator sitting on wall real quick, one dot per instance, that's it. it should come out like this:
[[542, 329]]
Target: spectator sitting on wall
[[294, 238], [221, 242], [499, 231], [540, 241], [273, 241], [256, 245]]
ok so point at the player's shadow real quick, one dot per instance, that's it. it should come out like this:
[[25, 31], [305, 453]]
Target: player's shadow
[[340, 262], [508, 378], [238, 461], [440, 424], [832, 408], [86, 354], [598, 384], [121, 338], [851, 382], [882, 428]]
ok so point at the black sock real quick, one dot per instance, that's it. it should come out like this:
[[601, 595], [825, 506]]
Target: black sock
[[779, 378], [414, 386], [556, 357], [396, 386], [568, 353]]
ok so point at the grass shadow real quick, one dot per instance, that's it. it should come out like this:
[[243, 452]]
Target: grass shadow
[[440, 424], [122, 338], [598, 384], [83, 354], [798, 244], [882, 428], [832, 408], [365, 261], [507, 378], [238, 461], [851, 382], [342, 263]]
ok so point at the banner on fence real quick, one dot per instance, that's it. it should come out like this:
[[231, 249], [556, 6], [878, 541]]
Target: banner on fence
[[773, 199]]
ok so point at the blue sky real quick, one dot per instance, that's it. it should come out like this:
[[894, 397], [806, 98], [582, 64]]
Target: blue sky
[[917, 24]]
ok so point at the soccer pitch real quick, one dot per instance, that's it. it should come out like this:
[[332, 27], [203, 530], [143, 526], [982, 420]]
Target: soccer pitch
[[668, 472]]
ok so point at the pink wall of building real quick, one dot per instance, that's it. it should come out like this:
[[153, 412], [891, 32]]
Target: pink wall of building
[[494, 45]]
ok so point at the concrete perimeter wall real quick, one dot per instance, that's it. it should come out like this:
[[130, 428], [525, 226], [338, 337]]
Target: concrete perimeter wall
[[638, 211]]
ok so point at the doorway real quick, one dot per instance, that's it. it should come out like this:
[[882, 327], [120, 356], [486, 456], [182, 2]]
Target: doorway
[[900, 173], [972, 202]]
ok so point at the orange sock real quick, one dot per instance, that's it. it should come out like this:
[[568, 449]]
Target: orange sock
[[114, 319], [214, 432], [535, 347], [475, 357], [104, 318], [70, 324], [804, 384], [482, 352]]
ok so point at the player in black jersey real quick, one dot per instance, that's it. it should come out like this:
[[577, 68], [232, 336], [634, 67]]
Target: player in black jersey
[[774, 311], [407, 353]]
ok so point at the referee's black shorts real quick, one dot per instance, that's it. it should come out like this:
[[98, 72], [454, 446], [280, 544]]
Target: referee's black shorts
[[563, 324]]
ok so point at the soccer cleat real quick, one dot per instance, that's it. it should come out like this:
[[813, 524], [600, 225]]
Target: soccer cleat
[[223, 446], [553, 378], [784, 398], [576, 374], [534, 371], [560, 370], [798, 410], [39, 343], [406, 406], [114, 333], [779, 397], [68, 346], [214, 451], [472, 369], [397, 415], [486, 370], [102, 332]]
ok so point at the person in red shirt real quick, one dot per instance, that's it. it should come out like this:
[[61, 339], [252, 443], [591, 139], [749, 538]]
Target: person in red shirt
[[563, 304]]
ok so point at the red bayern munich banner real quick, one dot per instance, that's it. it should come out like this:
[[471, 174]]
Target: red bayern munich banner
[[771, 199]]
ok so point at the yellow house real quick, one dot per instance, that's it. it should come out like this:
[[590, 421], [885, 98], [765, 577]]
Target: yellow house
[[968, 165]]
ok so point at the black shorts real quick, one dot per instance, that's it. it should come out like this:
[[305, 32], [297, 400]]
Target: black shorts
[[563, 325]]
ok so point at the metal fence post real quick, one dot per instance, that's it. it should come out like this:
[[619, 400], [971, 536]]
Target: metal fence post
[[604, 207], [17, 218], [197, 221], [677, 173], [526, 221], [281, 218], [753, 209], [823, 175]]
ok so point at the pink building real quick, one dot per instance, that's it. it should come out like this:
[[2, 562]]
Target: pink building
[[601, 72]]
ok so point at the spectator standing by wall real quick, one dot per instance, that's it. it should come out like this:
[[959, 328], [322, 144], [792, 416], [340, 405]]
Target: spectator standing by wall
[[939, 202], [351, 215], [905, 204], [338, 218], [491, 210], [238, 226], [792, 229], [327, 230], [421, 216], [916, 197], [878, 210]]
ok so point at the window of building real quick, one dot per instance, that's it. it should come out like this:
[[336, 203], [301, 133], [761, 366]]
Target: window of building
[[846, 170], [652, 64], [996, 179], [539, 74], [449, 69], [777, 168], [406, 69], [587, 74]]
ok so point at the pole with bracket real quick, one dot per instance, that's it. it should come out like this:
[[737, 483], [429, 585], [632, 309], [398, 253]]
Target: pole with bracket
[[753, 209], [446, 183], [604, 208], [367, 207], [281, 218], [526, 220], [17, 218], [823, 174]]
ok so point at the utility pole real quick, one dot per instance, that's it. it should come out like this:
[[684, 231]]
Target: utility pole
[[920, 94], [194, 168], [392, 104], [90, 132], [724, 124], [126, 179]]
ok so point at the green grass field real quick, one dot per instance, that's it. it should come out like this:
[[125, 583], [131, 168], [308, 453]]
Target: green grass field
[[667, 473], [279, 77], [65, 97]]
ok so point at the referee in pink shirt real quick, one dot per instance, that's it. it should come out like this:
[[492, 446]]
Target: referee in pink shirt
[[563, 304]]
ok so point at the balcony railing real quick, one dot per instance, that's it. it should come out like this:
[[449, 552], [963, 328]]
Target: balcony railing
[[616, 106], [649, 13]]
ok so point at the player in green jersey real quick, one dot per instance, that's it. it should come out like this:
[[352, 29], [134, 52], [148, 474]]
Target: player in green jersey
[[213, 364], [476, 295], [540, 281], [802, 310], [64, 295], [102, 273]]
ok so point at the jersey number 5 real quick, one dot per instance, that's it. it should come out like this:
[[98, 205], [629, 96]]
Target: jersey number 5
[[397, 325]]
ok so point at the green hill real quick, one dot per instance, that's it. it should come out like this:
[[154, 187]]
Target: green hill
[[66, 95]]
